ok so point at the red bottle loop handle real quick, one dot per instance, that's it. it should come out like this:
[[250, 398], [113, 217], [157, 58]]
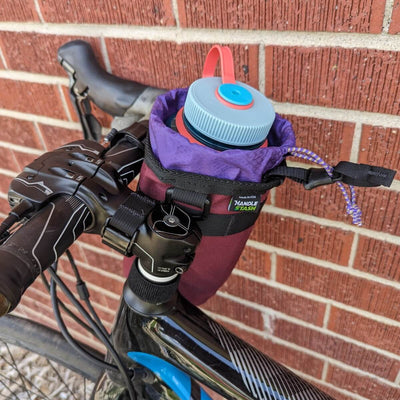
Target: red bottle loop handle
[[224, 54]]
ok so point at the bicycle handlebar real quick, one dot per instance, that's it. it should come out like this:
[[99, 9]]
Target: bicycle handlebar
[[111, 93], [39, 243]]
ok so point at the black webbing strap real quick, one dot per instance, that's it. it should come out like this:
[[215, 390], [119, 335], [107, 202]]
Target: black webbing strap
[[347, 172], [122, 226], [204, 183]]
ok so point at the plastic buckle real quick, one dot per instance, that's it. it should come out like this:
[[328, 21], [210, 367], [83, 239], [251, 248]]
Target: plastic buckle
[[319, 177], [196, 204], [116, 240]]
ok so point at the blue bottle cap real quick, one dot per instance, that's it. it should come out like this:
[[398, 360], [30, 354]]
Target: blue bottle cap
[[235, 94]]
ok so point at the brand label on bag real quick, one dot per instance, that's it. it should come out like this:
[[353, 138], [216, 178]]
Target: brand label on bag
[[249, 203]]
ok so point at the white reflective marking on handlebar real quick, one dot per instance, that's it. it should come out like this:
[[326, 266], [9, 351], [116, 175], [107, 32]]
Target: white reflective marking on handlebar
[[41, 235], [80, 146], [127, 165], [120, 152], [66, 226], [47, 191]]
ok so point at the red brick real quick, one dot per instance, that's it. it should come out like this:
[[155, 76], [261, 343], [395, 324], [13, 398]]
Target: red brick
[[337, 349], [332, 392], [282, 15], [378, 205], [93, 278], [357, 79], [256, 262], [353, 291], [118, 12], [55, 136], [378, 258], [23, 159], [361, 384], [104, 118], [366, 330], [8, 160], [5, 181], [380, 208], [104, 262], [4, 206], [325, 201], [31, 97], [35, 52], [380, 146], [282, 354], [171, 65], [94, 240], [288, 303], [330, 139], [303, 237], [395, 21], [18, 10], [235, 311], [22, 133]]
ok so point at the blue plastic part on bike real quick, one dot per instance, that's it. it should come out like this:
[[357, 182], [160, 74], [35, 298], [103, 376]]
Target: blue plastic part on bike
[[176, 379], [235, 94]]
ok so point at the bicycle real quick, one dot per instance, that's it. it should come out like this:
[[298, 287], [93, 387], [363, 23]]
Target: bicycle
[[161, 345]]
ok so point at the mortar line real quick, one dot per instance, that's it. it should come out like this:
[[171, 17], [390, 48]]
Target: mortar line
[[387, 16], [383, 236], [309, 325], [327, 315], [340, 390], [93, 286], [325, 371], [321, 263], [3, 59], [273, 266], [39, 11], [175, 11], [7, 172], [337, 114], [355, 146], [40, 135], [16, 147], [223, 36], [303, 110], [318, 298], [64, 102], [33, 77], [99, 250], [353, 251], [42, 119], [104, 52], [301, 349], [261, 68], [397, 380]]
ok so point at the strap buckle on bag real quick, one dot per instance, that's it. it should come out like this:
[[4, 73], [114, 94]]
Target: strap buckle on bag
[[198, 203]]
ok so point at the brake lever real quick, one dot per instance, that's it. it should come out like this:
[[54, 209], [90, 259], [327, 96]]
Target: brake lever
[[91, 127]]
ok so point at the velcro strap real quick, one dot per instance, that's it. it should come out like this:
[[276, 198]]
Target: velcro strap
[[121, 227]]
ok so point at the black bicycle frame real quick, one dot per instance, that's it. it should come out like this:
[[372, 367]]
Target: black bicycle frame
[[184, 337]]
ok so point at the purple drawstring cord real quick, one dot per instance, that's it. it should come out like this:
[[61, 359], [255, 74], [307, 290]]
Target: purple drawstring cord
[[351, 207]]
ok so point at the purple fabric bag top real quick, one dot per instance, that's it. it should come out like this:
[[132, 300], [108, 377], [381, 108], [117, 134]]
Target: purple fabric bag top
[[175, 152]]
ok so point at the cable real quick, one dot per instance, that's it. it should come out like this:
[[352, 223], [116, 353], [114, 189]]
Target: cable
[[124, 371], [64, 330], [84, 293], [65, 308]]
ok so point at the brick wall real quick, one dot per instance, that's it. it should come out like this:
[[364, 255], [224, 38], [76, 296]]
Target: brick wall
[[313, 291]]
